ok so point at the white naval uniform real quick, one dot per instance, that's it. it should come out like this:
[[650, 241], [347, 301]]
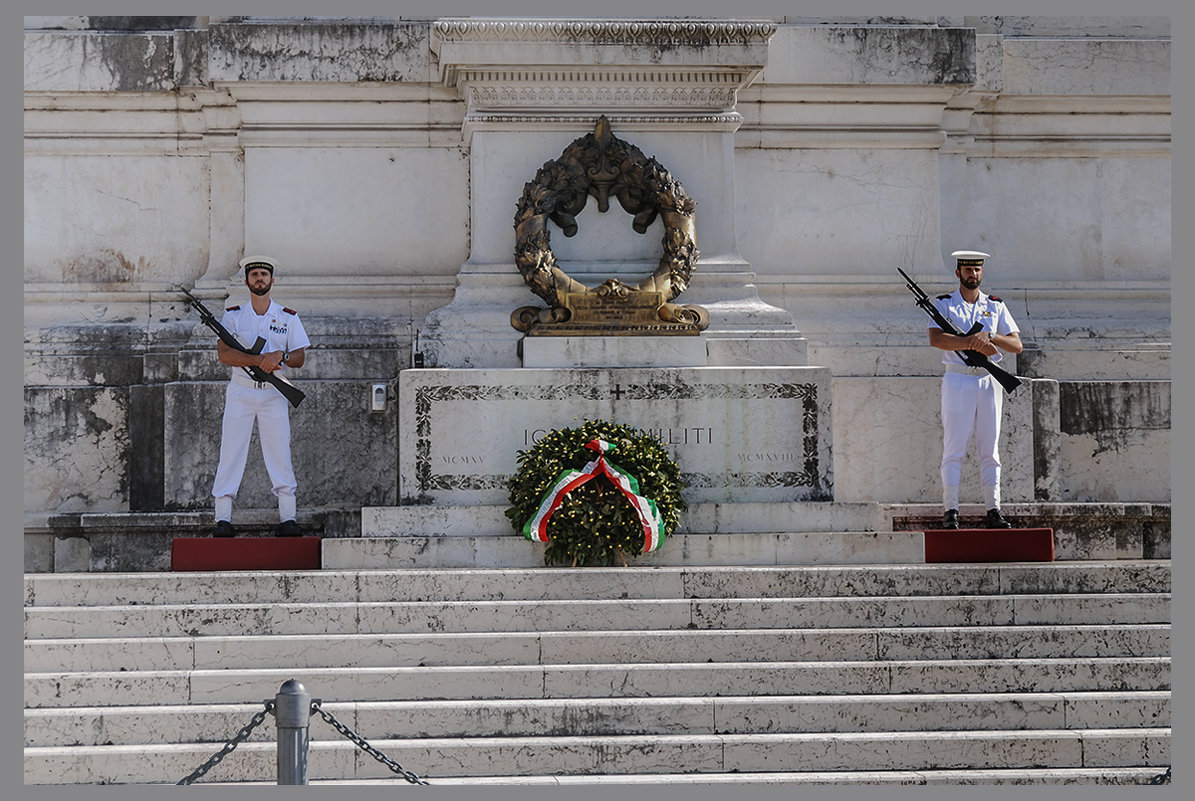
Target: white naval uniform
[[972, 400], [245, 401]]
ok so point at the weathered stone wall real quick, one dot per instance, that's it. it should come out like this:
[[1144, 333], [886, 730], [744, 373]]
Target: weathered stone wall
[[1115, 440], [159, 150], [887, 435]]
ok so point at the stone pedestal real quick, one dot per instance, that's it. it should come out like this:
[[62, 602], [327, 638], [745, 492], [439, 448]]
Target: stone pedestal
[[746, 420], [614, 351], [670, 88]]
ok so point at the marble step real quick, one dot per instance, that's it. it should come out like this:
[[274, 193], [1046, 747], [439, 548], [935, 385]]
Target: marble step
[[873, 778], [1069, 674], [617, 658], [574, 647], [127, 725], [796, 547], [630, 755], [200, 620], [558, 583]]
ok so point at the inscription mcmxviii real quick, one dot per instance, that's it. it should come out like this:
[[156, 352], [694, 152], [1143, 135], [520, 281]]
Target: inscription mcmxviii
[[754, 467]]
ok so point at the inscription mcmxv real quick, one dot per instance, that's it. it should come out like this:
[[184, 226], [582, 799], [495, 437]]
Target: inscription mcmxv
[[463, 459]]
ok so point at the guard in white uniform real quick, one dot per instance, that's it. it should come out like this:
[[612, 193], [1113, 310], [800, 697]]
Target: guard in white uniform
[[245, 400], [972, 401]]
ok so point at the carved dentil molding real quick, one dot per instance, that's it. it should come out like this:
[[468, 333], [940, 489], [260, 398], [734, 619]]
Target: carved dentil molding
[[565, 96]]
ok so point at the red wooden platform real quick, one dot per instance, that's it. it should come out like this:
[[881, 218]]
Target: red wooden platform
[[989, 545], [245, 553]]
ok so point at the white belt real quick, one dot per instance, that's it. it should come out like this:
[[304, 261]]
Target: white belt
[[965, 370], [239, 376]]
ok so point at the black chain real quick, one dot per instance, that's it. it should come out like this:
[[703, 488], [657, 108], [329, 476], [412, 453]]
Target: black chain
[[231, 745], [1161, 778], [365, 746]]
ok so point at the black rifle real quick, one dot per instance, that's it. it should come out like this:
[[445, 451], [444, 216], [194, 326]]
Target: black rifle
[[972, 358], [288, 390]]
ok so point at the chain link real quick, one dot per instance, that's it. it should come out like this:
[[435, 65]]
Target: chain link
[[231, 745], [1161, 778], [365, 746]]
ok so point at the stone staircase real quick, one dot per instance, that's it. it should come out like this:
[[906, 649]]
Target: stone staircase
[[1018, 673]]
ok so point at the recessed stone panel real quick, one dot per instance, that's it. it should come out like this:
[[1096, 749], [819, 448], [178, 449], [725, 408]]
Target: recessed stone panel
[[738, 434]]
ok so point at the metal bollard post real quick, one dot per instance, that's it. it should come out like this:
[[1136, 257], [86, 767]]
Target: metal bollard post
[[292, 710]]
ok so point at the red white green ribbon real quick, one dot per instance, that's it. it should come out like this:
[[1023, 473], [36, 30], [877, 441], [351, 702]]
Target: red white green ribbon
[[649, 516]]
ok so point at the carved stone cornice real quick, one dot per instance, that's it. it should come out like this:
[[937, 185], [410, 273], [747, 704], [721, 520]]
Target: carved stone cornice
[[550, 66], [637, 33]]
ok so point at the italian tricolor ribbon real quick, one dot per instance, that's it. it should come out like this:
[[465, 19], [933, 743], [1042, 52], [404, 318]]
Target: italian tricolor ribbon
[[649, 516]]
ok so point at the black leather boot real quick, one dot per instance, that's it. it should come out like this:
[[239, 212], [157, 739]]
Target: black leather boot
[[288, 528], [996, 520]]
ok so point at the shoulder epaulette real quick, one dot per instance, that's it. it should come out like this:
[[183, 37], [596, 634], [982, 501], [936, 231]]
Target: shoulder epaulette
[[232, 308], [993, 297], [943, 297], [289, 310]]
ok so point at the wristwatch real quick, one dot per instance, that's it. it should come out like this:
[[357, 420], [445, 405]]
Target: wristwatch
[[285, 356]]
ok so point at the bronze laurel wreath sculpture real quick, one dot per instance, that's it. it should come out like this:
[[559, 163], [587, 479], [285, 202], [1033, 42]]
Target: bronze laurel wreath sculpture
[[600, 164]]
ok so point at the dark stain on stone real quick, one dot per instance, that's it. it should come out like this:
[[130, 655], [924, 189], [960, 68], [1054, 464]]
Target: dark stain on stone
[[1088, 407], [70, 410], [138, 63], [140, 23], [946, 54], [299, 52]]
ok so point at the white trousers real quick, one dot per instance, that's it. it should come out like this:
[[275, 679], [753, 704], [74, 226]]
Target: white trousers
[[971, 407], [242, 406]]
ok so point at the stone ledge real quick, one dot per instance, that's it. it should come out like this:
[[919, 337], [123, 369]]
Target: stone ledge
[[698, 518], [512, 550], [481, 536], [1081, 530], [135, 542], [74, 524]]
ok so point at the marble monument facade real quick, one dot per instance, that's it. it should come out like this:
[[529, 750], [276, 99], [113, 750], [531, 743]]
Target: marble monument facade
[[381, 161]]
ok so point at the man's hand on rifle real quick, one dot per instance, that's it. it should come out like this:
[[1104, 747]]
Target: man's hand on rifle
[[271, 361], [266, 362], [238, 358], [983, 342], [980, 341]]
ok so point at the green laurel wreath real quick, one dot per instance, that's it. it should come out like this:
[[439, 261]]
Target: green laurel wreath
[[595, 523]]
